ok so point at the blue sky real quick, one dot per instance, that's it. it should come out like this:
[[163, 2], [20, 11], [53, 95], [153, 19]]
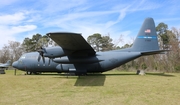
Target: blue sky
[[23, 18]]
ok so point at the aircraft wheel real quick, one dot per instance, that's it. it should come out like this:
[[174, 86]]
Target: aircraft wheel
[[28, 73]]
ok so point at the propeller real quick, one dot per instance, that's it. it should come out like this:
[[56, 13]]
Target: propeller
[[41, 55], [41, 51]]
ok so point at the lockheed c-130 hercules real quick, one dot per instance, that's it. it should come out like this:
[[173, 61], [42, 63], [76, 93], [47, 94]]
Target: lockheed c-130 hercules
[[75, 55]]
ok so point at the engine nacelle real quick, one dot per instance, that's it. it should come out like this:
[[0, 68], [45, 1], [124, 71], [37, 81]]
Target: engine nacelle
[[66, 68], [86, 60], [53, 52], [70, 68]]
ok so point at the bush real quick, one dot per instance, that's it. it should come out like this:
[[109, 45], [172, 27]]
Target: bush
[[177, 68]]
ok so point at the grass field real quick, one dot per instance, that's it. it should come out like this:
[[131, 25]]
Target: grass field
[[110, 88]]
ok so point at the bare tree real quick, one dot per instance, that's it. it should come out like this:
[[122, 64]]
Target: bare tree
[[5, 54], [16, 49], [174, 45], [12, 51]]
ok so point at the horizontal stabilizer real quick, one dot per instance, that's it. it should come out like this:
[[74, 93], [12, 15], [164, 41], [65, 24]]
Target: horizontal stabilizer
[[154, 52]]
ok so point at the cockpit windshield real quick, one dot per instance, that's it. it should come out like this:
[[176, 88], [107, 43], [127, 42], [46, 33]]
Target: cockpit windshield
[[23, 56], [29, 56]]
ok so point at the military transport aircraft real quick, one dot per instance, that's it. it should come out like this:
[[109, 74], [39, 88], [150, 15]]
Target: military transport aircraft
[[5, 65], [75, 55]]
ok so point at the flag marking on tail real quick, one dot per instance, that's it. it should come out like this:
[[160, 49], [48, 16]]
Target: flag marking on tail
[[147, 31]]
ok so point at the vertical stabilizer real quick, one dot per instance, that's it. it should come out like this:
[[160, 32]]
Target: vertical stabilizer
[[146, 39], [8, 62]]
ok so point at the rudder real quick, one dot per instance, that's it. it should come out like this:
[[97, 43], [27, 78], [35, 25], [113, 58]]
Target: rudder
[[8, 62]]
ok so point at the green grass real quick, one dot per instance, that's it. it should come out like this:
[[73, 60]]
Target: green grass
[[110, 88]]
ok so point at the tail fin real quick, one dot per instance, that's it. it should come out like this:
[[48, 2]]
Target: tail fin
[[8, 62], [147, 37]]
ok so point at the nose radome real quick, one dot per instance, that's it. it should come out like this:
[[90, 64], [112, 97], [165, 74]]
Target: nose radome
[[15, 64]]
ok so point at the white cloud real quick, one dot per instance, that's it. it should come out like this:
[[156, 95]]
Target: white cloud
[[10, 33], [12, 25], [11, 19], [19, 29]]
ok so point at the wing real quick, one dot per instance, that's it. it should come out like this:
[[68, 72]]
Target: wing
[[72, 42]]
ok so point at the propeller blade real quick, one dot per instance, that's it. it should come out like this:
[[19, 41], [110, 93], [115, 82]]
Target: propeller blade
[[41, 51], [44, 50], [39, 57], [43, 60], [41, 54], [49, 61]]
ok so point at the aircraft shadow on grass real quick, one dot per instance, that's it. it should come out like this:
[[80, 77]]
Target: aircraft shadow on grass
[[91, 80]]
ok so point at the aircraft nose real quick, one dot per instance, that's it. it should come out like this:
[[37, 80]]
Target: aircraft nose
[[15, 64]]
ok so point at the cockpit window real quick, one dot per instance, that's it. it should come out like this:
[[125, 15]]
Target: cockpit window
[[23, 56]]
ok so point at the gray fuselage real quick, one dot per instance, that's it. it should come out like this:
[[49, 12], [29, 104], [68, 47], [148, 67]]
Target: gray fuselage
[[103, 61]]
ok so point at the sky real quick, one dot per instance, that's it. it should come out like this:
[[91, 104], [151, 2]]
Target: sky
[[20, 19]]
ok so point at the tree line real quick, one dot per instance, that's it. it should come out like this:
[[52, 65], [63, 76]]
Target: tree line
[[168, 39]]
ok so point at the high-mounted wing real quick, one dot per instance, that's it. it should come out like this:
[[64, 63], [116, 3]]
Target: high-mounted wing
[[73, 42]]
